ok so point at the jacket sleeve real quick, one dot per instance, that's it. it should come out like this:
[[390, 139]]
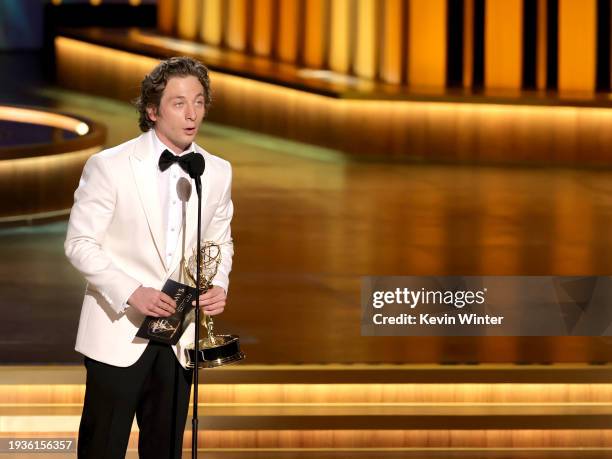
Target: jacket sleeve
[[220, 232], [91, 215]]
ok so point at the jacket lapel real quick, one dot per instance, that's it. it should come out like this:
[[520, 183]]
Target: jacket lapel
[[144, 169]]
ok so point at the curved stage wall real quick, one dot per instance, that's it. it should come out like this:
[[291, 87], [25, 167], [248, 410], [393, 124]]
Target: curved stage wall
[[489, 129], [39, 172]]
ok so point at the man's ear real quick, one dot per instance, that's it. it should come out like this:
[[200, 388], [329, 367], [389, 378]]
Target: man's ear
[[152, 113]]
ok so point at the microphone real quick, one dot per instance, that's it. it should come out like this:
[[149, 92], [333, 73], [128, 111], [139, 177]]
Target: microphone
[[196, 166], [195, 169]]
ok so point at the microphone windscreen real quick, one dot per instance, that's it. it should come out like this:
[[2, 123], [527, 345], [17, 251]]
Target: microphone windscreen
[[196, 166]]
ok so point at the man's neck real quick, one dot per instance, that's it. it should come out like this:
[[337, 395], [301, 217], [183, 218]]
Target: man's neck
[[173, 148]]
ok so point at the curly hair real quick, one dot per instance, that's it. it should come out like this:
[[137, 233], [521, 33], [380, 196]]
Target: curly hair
[[153, 85]]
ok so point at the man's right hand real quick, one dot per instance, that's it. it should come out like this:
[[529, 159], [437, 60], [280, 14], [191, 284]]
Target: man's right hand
[[152, 302]]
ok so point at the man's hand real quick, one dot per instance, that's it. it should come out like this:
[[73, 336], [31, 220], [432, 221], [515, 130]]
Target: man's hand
[[152, 302], [213, 301]]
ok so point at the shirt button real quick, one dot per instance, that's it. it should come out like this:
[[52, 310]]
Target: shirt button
[[171, 229], [173, 202]]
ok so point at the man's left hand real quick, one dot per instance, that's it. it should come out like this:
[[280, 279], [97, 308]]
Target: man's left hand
[[213, 301]]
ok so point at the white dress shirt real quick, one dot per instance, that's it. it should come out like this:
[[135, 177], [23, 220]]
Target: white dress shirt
[[171, 204]]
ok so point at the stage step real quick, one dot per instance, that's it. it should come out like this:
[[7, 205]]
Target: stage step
[[466, 453], [314, 411], [359, 416], [433, 453]]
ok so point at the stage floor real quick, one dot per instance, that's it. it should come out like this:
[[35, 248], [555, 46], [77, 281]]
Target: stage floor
[[310, 222]]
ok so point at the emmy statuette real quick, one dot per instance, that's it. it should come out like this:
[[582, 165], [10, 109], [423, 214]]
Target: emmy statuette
[[214, 350]]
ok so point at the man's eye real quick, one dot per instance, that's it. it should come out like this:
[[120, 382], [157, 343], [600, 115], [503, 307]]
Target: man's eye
[[179, 104], [200, 102]]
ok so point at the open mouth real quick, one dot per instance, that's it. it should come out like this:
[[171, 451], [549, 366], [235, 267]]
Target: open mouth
[[190, 131]]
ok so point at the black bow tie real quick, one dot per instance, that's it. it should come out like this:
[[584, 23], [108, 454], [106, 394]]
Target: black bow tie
[[167, 158]]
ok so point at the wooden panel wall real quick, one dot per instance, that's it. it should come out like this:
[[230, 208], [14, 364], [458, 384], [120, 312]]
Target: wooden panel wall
[[506, 44], [577, 41], [427, 42], [211, 17], [503, 42]]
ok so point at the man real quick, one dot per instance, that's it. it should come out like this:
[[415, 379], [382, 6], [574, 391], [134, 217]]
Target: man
[[132, 225]]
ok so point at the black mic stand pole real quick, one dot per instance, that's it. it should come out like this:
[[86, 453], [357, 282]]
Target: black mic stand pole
[[196, 378]]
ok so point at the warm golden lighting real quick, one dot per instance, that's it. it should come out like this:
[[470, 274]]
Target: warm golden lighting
[[577, 44], [56, 2], [315, 36], [286, 43], [339, 45], [44, 169], [427, 43], [188, 19], [235, 33], [463, 131], [81, 129], [398, 41], [503, 43], [49, 173], [135, 2], [262, 27], [49, 400], [166, 16], [211, 31], [26, 115], [13, 167], [95, 2], [127, 68], [392, 39], [366, 45], [174, 44]]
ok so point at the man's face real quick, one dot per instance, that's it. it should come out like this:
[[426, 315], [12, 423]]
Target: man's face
[[180, 113]]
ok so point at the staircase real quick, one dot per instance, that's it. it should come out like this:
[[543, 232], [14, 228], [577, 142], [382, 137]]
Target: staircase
[[356, 411]]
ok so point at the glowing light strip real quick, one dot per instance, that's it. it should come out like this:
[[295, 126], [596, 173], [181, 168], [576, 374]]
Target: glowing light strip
[[12, 424], [470, 130], [32, 217], [66, 46], [432, 404], [345, 394], [405, 449], [26, 115], [175, 44]]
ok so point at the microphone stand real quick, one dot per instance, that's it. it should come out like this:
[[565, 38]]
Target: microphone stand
[[196, 378]]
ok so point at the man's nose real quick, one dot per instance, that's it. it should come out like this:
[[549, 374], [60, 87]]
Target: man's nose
[[190, 113]]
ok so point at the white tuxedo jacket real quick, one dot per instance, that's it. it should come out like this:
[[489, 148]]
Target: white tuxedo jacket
[[116, 239]]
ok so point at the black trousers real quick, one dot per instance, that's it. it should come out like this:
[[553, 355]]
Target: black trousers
[[155, 388]]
